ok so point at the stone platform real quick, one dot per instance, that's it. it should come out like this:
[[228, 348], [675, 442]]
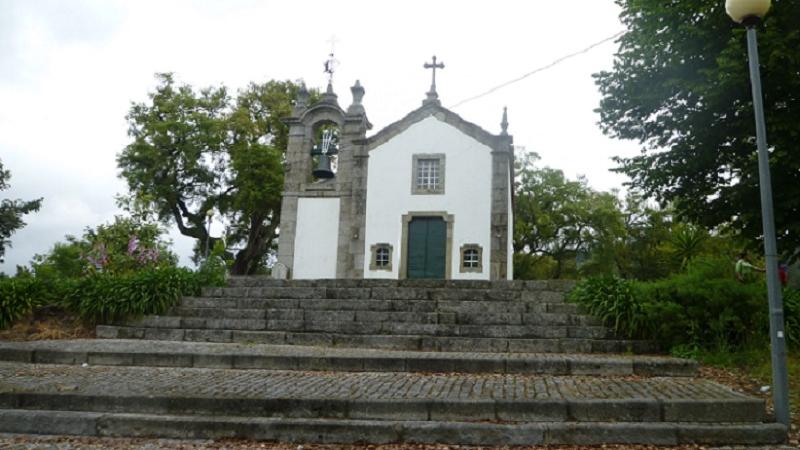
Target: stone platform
[[500, 363]]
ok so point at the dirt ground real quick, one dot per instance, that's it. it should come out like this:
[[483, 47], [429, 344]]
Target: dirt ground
[[48, 324]]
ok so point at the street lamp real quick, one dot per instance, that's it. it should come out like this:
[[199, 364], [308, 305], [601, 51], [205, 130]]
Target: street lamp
[[749, 13], [209, 216]]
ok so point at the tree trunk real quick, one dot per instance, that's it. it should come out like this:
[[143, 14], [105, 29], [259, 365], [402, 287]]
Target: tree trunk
[[258, 241]]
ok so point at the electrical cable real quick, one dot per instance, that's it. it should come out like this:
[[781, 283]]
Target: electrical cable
[[540, 69]]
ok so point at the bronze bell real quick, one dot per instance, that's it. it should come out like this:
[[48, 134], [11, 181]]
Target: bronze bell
[[323, 169]]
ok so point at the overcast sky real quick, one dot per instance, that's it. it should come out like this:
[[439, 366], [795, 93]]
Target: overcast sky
[[70, 69]]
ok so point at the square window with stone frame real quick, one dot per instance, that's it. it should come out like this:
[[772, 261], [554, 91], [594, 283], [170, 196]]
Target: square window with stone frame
[[428, 174]]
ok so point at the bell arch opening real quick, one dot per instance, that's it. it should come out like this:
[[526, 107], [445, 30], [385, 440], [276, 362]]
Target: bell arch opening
[[324, 150]]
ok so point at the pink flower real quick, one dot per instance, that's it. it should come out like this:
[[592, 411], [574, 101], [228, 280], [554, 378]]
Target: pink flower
[[133, 244]]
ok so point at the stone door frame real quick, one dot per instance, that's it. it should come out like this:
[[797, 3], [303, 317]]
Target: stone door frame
[[449, 220]]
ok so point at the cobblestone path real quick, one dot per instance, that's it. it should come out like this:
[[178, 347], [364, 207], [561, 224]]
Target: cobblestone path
[[226, 383]]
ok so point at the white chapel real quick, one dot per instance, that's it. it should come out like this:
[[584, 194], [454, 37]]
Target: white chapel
[[429, 196]]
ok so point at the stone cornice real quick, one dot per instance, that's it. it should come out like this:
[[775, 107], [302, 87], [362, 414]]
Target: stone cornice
[[428, 109]]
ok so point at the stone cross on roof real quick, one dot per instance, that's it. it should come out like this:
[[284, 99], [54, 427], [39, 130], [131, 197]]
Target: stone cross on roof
[[432, 95]]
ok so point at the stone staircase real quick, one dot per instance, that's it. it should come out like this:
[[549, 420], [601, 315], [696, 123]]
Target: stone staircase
[[343, 361], [515, 317]]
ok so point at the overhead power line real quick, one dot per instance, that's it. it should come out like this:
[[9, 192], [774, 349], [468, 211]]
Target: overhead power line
[[540, 69]]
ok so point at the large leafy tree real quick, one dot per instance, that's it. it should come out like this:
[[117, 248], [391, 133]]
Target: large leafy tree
[[680, 87], [557, 221], [11, 212], [195, 152]]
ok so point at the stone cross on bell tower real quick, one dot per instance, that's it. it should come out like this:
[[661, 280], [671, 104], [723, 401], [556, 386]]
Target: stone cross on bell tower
[[432, 95]]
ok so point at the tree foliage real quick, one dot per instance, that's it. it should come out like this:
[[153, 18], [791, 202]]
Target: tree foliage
[[638, 249], [556, 220], [680, 87], [11, 212], [195, 152]]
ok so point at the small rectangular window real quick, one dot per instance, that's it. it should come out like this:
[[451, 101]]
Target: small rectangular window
[[381, 257], [471, 258]]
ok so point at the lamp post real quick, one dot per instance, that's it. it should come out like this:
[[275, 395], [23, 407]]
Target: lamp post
[[749, 13], [209, 216]]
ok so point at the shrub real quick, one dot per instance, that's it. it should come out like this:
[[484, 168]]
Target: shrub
[[705, 306], [702, 308], [614, 301], [214, 270], [105, 297], [791, 314], [15, 300], [121, 247]]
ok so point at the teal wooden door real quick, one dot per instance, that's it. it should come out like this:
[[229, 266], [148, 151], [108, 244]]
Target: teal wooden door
[[427, 248]]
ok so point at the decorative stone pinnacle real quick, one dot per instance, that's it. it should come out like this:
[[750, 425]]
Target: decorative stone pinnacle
[[301, 99], [358, 95], [358, 92], [504, 123]]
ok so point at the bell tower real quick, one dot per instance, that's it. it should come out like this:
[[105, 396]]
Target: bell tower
[[324, 199]]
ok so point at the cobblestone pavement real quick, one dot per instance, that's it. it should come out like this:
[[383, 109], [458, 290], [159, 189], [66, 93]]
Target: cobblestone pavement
[[227, 383], [139, 346]]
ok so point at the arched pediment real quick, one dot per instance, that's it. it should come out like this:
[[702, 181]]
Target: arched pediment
[[322, 112]]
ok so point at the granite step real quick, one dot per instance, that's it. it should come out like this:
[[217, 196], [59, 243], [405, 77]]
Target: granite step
[[377, 407], [361, 315], [500, 285], [380, 341], [343, 322], [382, 293], [572, 410], [336, 431], [289, 357], [389, 305], [374, 396]]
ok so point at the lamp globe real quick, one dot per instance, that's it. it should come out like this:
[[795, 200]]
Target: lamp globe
[[742, 11]]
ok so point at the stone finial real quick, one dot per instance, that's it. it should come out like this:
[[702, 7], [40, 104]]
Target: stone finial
[[358, 92], [329, 96], [504, 123], [358, 95], [301, 99]]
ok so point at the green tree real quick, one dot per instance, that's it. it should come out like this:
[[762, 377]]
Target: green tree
[[64, 260], [637, 251], [196, 152], [11, 212], [557, 221], [680, 87]]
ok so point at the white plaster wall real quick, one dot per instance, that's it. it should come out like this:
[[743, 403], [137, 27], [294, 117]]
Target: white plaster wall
[[316, 238], [468, 180]]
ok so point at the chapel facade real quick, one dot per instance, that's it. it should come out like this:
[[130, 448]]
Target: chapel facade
[[429, 196]]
